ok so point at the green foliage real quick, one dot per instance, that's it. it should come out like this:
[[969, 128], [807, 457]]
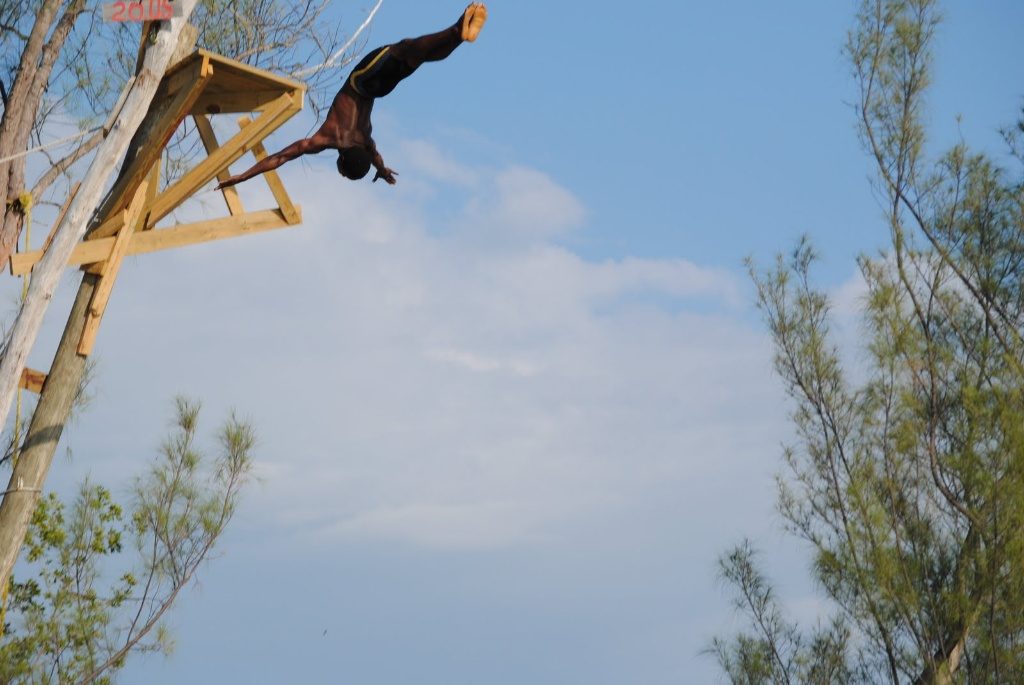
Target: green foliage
[[87, 603], [774, 651], [62, 601], [909, 484]]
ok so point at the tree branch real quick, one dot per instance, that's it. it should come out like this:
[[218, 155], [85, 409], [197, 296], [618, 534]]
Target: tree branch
[[13, 29], [61, 166]]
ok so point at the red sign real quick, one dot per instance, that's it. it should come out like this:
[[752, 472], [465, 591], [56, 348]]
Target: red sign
[[142, 10]]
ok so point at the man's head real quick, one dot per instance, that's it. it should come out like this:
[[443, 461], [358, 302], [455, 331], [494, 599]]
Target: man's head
[[354, 162]]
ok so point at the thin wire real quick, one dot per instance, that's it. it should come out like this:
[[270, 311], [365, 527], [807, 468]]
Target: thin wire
[[47, 146], [106, 127], [332, 62]]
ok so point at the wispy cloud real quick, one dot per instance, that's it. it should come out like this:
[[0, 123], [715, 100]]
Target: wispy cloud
[[481, 387]]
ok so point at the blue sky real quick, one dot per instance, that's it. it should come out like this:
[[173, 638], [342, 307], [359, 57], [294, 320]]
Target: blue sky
[[512, 408]]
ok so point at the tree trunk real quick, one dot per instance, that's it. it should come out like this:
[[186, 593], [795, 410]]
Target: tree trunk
[[37, 61], [947, 661], [27, 481], [44, 431]]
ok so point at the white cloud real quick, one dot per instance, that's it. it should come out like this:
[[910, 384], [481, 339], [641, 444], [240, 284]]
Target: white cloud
[[523, 204], [449, 388], [480, 363], [488, 395], [424, 157], [483, 525], [849, 298]]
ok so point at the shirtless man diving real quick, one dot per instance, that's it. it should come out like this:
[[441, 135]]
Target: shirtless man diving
[[347, 127]]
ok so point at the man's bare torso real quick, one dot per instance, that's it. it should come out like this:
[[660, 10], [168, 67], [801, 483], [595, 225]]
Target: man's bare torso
[[348, 121]]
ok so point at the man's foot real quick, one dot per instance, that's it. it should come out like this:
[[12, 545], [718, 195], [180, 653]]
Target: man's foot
[[473, 20]]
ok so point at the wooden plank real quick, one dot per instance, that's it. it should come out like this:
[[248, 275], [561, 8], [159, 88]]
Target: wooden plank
[[111, 267], [152, 185], [272, 179], [254, 73], [254, 77], [209, 139], [159, 239], [32, 380], [183, 80], [283, 108], [147, 146], [222, 101]]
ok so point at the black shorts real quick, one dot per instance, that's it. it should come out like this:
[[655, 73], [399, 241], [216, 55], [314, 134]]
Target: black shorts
[[378, 73]]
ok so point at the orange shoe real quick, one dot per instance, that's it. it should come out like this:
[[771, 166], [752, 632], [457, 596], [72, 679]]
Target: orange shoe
[[473, 19]]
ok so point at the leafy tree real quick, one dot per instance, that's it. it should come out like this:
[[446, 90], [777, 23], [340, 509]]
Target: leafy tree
[[909, 485], [76, 619]]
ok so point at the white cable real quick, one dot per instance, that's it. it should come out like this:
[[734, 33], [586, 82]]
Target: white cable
[[111, 120], [348, 44], [49, 145]]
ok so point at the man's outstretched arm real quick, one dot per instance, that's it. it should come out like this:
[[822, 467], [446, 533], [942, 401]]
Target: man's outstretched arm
[[306, 146], [382, 171]]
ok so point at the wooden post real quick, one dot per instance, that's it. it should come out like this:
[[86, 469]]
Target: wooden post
[[209, 139], [143, 242], [109, 269], [32, 380], [284, 201]]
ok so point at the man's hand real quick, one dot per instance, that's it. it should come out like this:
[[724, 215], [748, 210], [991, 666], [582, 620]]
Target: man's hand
[[387, 174], [228, 182]]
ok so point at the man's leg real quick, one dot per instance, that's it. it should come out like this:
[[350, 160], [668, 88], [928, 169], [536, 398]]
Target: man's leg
[[436, 46]]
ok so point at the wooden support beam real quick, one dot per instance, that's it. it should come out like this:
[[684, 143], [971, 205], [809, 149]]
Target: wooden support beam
[[272, 179], [148, 145], [92, 251], [209, 139], [151, 184], [221, 101], [283, 108], [108, 275], [281, 82], [185, 79], [32, 380]]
